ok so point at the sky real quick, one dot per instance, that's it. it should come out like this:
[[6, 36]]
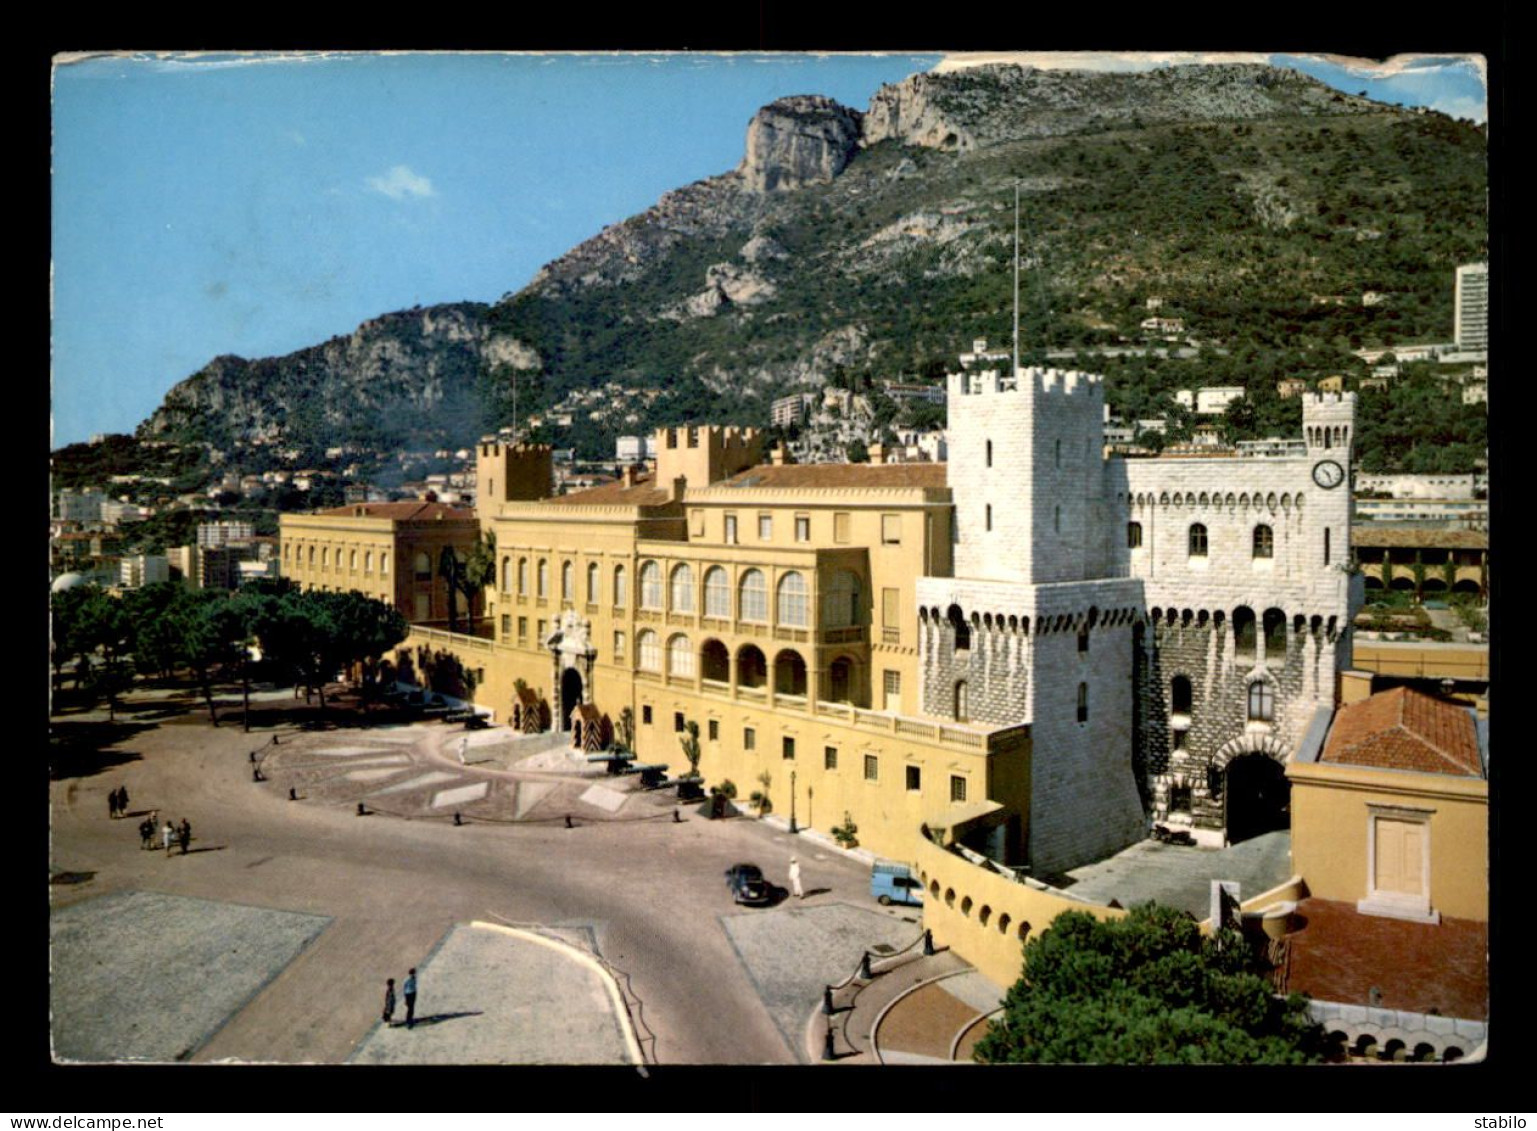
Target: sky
[[255, 205]]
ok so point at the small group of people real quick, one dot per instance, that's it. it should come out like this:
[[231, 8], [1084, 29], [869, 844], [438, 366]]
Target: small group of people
[[117, 802], [408, 991], [170, 835]]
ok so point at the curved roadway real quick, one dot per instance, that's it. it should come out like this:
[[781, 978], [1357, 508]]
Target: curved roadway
[[651, 892]]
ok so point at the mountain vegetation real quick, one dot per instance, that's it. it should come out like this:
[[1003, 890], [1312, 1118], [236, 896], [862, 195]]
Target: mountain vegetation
[[1261, 207]]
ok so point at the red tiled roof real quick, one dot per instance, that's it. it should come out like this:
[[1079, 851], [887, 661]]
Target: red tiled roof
[[644, 493], [1373, 534], [1341, 955], [793, 476], [400, 512], [1404, 729]]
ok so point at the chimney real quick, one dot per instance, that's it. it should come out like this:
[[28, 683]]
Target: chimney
[[877, 453], [627, 476], [780, 456]]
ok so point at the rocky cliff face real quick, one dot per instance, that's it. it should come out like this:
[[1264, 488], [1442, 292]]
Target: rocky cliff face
[[412, 372], [980, 106], [879, 241], [793, 142]]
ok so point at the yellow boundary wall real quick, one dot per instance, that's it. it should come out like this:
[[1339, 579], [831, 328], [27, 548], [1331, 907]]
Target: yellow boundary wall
[[985, 917]]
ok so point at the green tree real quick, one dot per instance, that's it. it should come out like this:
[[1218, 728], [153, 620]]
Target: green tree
[[157, 646], [689, 740], [1146, 989], [212, 628], [66, 617], [104, 626]]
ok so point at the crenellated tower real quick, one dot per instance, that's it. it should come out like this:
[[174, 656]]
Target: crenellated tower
[[1026, 472], [507, 473]]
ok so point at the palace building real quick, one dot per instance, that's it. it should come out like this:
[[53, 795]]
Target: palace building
[[1033, 650]]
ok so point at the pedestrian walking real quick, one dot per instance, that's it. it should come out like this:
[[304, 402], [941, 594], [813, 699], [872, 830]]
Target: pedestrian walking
[[389, 1001], [112, 804], [184, 836], [409, 989], [122, 801], [168, 837], [146, 833], [795, 878]]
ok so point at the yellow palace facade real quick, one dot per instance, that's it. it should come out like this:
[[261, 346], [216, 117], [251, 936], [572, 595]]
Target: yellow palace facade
[[771, 604]]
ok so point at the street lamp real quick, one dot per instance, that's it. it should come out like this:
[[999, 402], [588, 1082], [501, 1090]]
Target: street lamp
[[793, 827]]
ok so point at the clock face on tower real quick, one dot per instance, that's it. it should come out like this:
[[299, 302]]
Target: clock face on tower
[[1327, 473]]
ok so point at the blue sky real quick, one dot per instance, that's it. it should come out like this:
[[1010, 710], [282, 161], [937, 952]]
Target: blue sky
[[211, 205]]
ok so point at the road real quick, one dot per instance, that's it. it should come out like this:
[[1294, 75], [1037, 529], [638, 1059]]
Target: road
[[651, 891]]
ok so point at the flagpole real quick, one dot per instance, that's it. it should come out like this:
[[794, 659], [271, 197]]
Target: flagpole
[[1015, 372]]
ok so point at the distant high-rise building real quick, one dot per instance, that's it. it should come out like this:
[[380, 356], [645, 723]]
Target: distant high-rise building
[[1472, 325]]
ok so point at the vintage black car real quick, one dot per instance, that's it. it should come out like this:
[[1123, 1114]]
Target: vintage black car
[[748, 885]]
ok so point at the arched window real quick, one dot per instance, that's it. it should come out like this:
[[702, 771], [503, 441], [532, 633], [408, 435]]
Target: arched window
[[1083, 702], [592, 583], [792, 600], [325, 557], [384, 563], [962, 702], [423, 567], [648, 651], [621, 594], [1261, 702], [1243, 630], [312, 557], [1133, 535], [568, 581], [1197, 540], [989, 453], [650, 586], [681, 599], [1264, 542], [717, 593], [543, 574], [1275, 636], [752, 600], [1326, 545], [957, 621], [840, 602], [680, 656], [522, 577], [1180, 695], [352, 559], [506, 575]]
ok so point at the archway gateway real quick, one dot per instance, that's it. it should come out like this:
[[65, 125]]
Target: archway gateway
[[1257, 797], [570, 695]]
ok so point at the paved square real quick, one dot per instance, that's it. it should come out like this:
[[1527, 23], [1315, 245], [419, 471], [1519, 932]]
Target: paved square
[[489, 996], [144, 976]]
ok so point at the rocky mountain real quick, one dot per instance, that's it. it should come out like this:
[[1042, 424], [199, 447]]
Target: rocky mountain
[[1255, 202]]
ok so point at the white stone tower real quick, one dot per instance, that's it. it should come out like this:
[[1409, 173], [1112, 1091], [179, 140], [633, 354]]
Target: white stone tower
[[1026, 471]]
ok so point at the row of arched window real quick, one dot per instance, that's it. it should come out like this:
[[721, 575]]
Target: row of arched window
[[1261, 705], [1231, 500], [713, 662], [303, 555], [1273, 623], [676, 591], [1198, 544]]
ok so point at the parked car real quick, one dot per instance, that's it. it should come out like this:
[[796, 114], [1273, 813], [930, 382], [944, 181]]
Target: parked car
[[895, 883], [748, 885]]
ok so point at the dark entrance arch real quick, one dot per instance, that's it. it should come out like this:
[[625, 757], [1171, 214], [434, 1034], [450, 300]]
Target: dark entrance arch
[[1257, 795], [570, 695]]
